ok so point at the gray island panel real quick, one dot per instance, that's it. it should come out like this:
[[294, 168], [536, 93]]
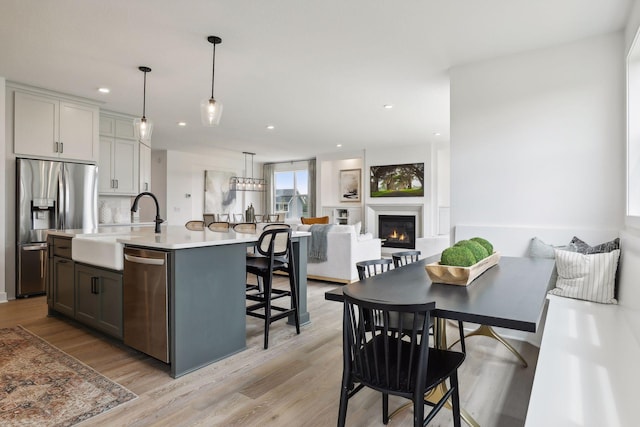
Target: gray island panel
[[207, 307]]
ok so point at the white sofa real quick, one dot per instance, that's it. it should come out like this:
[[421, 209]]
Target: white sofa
[[345, 247]]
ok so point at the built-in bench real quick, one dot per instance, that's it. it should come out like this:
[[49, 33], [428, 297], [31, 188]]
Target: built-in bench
[[587, 371]]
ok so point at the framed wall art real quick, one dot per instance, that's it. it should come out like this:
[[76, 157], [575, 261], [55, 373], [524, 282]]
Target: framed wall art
[[350, 185], [397, 180]]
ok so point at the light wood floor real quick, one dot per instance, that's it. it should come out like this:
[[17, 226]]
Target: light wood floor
[[295, 382]]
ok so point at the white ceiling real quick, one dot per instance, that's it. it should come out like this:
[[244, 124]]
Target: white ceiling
[[319, 71]]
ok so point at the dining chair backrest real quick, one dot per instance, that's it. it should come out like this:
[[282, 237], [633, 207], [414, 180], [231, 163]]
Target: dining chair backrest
[[272, 217], [195, 225], [277, 240], [276, 225], [238, 217], [392, 357], [245, 227], [260, 217], [219, 226], [209, 218], [405, 257], [223, 217], [372, 267]]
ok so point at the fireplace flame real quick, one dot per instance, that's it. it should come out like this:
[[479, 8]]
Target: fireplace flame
[[396, 236]]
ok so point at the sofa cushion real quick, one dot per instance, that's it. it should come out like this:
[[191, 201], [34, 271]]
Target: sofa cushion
[[315, 220], [587, 277]]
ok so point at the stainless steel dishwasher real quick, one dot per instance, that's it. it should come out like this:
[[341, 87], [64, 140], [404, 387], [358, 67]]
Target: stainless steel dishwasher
[[146, 302]]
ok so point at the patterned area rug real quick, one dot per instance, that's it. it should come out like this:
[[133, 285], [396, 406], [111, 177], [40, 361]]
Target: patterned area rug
[[41, 385]]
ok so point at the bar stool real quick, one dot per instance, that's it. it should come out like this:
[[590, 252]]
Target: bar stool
[[277, 255]]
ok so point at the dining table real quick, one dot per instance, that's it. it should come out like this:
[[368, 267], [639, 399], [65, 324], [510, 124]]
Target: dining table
[[510, 294]]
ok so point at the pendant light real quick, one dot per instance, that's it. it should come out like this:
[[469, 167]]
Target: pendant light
[[247, 183], [142, 127], [210, 109]]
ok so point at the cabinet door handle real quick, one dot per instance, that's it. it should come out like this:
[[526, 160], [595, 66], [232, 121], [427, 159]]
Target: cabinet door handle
[[117, 183], [113, 183], [146, 186], [55, 147], [95, 289], [62, 147]]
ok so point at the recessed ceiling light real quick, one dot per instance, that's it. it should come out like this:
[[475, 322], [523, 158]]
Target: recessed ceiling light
[[183, 124], [271, 127], [104, 90], [339, 145], [388, 106]]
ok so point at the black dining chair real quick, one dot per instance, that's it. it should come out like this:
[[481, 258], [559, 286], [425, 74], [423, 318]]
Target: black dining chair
[[276, 249], [405, 257], [395, 358], [372, 267]]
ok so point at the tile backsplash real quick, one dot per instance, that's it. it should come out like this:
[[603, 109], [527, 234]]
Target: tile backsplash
[[116, 210]]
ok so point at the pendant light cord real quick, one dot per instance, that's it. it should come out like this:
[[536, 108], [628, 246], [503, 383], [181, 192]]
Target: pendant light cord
[[144, 95], [213, 70]]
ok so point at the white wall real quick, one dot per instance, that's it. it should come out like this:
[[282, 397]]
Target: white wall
[[183, 195], [3, 200], [537, 138]]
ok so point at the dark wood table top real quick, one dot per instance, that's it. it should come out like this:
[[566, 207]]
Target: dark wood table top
[[509, 295]]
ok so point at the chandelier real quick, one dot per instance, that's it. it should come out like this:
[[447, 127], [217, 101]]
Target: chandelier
[[243, 183]]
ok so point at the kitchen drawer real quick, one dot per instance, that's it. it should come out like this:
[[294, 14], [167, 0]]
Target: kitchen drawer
[[62, 247]]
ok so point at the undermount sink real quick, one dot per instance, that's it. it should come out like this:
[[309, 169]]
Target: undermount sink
[[102, 251]]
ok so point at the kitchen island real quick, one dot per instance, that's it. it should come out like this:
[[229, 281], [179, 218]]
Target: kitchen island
[[206, 280]]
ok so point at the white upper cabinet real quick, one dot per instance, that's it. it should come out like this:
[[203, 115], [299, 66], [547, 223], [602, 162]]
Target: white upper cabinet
[[46, 126], [119, 151]]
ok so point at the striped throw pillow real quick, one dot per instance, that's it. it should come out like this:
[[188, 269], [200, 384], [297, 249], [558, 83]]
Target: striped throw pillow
[[587, 277]]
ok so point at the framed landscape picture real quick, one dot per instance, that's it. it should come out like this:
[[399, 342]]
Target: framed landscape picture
[[350, 185], [397, 180]]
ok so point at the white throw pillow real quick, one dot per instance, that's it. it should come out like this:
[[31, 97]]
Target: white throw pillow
[[587, 277]]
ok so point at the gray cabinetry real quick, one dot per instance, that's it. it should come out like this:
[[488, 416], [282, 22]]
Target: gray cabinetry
[[98, 294], [61, 293]]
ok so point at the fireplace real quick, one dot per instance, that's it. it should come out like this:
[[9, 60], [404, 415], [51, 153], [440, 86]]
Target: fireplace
[[397, 231]]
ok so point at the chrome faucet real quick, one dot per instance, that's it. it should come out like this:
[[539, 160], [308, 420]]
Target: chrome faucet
[[134, 208]]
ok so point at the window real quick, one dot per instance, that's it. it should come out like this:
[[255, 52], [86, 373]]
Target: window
[[292, 193], [633, 134]]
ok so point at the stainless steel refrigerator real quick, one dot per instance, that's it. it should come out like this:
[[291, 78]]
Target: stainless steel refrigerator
[[50, 195]]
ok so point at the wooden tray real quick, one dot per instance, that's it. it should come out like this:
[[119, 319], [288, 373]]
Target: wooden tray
[[461, 276]]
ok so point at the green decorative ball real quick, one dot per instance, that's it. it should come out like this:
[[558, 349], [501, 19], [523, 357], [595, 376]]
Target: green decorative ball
[[478, 251], [485, 243], [459, 256]]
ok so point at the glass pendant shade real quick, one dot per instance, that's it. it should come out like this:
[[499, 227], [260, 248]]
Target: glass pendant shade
[[210, 109], [142, 129], [210, 112]]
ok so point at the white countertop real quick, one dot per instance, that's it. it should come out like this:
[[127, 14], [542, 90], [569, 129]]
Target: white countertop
[[170, 237]]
